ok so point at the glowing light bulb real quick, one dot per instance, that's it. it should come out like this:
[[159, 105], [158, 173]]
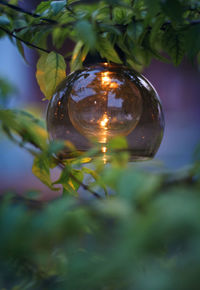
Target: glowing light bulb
[[102, 101], [104, 149], [105, 107]]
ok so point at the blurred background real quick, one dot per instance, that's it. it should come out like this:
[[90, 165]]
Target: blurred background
[[178, 88]]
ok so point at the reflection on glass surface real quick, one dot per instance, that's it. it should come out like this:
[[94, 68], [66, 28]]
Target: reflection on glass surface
[[103, 101], [104, 105]]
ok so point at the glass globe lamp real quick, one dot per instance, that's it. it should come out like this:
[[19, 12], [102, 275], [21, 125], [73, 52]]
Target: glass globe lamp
[[103, 101]]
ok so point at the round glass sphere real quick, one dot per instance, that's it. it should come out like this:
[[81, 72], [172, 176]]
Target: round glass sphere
[[103, 101]]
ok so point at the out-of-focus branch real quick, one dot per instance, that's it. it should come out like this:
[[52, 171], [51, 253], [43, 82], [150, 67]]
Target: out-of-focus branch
[[22, 40], [22, 10]]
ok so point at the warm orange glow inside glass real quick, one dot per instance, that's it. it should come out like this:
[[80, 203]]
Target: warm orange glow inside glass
[[104, 157], [108, 111], [114, 85], [104, 149], [107, 81], [105, 78], [102, 101], [104, 122]]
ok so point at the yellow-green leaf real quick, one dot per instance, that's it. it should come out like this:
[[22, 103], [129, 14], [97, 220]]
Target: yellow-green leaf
[[25, 125], [41, 170], [79, 54], [51, 70], [40, 73]]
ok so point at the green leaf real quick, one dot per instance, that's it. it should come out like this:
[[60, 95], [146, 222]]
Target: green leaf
[[106, 50], [56, 146], [43, 7], [174, 44], [54, 72], [19, 23], [75, 183], [25, 125], [59, 35], [122, 15], [156, 30], [192, 41], [86, 33], [57, 6], [134, 31], [4, 20], [132, 184], [135, 65], [50, 72], [41, 64], [79, 55], [118, 143], [70, 184], [91, 172], [173, 9], [153, 7], [7, 90], [148, 46], [110, 28], [64, 177], [21, 50], [41, 170]]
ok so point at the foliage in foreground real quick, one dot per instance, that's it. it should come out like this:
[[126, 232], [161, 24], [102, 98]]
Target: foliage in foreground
[[146, 237]]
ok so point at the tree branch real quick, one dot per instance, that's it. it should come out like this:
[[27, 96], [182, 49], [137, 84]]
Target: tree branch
[[34, 15], [70, 10], [46, 24], [31, 45], [57, 161], [24, 41], [83, 185], [22, 10], [194, 22]]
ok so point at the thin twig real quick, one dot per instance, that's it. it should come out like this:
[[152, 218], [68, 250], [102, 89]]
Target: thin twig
[[65, 25], [24, 41], [22, 10], [194, 22], [34, 15], [17, 30], [57, 161], [70, 10], [83, 185], [31, 45]]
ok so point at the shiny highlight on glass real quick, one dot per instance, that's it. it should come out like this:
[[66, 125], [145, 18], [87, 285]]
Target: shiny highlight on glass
[[102, 101]]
